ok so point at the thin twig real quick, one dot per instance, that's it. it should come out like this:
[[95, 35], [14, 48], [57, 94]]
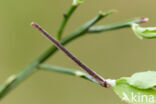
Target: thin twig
[[72, 57], [68, 71], [66, 17], [84, 29], [118, 25]]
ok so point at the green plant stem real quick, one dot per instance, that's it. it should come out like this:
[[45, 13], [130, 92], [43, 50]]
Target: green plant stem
[[65, 20], [68, 71], [118, 25], [26, 72], [84, 29], [32, 67]]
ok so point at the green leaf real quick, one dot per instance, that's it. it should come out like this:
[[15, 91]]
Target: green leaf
[[134, 95], [143, 80], [144, 32]]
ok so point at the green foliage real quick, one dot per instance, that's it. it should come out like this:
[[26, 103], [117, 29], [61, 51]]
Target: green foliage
[[144, 32], [138, 89], [143, 80]]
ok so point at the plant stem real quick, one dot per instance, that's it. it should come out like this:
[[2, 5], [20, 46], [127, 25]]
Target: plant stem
[[84, 29], [65, 20], [118, 25], [32, 67], [70, 55], [68, 71]]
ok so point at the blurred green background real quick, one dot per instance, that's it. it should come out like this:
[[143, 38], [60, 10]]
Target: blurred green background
[[112, 54]]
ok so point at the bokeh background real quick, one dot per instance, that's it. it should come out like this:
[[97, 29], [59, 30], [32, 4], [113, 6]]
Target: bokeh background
[[112, 54]]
